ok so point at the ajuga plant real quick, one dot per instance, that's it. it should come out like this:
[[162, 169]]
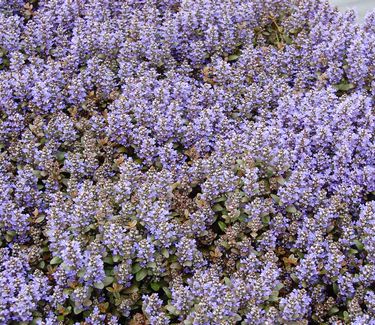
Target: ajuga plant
[[188, 162]]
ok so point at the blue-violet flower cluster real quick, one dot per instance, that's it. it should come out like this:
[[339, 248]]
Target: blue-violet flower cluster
[[189, 162]]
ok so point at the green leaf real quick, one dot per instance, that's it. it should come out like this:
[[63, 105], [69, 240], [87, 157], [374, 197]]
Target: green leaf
[[141, 275], [87, 302], [294, 278], [108, 280], [242, 218], [175, 265], [266, 219], [269, 172], [116, 258], [172, 309], [273, 298], [344, 86], [77, 310], [333, 310], [359, 244], [8, 238], [281, 180], [245, 199], [275, 198], [188, 263], [279, 287], [40, 219], [155, 286], [335, 288], [175, 185], [60, 156], [167, 292], [222, 226], [99, 285], [316, 319], [288, 39], [108, 260], [227, 281], [109, 272], [81, 273], [291, 209], [136, 268], [11, 233], [225, 244], [233, 57], [133, 289], [152, 265], [55, 260], [67, 291], [217, 208], [221, 199], [37, 173], [165, 252]]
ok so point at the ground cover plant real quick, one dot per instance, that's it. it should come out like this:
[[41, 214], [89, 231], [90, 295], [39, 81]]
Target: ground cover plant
[[186, 162]]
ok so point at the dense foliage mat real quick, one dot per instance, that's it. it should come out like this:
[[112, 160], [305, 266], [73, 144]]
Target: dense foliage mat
[[186, 162]]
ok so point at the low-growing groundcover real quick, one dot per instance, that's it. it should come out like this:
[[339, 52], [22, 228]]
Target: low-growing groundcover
[[186, 162]]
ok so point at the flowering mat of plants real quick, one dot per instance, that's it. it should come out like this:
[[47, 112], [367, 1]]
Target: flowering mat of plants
[[186, 162]]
